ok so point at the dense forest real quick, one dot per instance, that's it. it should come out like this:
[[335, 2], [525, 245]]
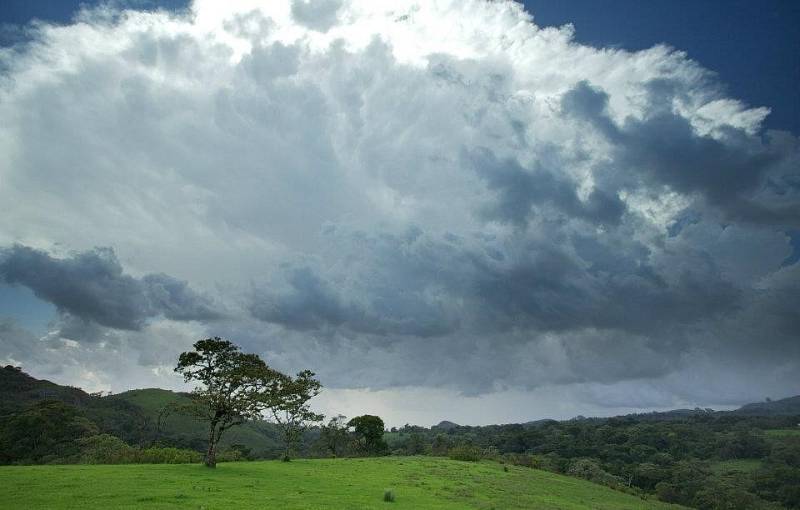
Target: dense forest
[[746, 459]]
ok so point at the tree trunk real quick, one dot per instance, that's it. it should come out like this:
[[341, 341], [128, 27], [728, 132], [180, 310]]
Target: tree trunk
[[287, 445], [211, 454]]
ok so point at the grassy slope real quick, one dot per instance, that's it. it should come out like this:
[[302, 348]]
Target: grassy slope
[[418, 482], [733, 466], [261, 437], [777, 434]]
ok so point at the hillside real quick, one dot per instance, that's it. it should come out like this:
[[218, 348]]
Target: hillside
[[18, 389], [783, 407], [136, 416], [259, 438], [417, 482]]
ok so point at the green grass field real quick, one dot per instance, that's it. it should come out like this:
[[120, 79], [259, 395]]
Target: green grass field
[[417, 482], [781, 433], [727, 467]]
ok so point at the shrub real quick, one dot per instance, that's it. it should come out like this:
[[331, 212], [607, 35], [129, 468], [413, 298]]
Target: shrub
[[440, 445], [105, 449], [231, 455], [108, 449], [388, 496], [522, 459], [589, 469], [167, 456], [465, 452]]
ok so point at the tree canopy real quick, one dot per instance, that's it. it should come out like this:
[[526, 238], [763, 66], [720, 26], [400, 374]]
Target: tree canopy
[[230, 383]]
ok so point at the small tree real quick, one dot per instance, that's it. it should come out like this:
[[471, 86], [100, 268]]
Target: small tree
[[286, 399], [440, 445], [334, 435], [368, 430], [229, 384]]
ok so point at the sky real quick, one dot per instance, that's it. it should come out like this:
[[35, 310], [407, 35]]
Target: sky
[[485, 212]]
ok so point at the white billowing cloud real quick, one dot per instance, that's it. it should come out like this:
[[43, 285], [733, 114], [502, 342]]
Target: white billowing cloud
[[400, 195]]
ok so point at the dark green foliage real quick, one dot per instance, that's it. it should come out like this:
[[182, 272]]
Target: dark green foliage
[[743, 444], [686, 479], [44, 432], [779, 478], [368, 434], [465, 452], [230, 387], [18, 390], [287, 399], [334, 436], [725, 495], [168, 456], [106, 449], [590, 469], [388, 496], [413, 444], [440, 445]]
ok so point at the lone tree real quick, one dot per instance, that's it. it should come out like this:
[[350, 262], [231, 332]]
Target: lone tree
[[286, 398], [230, 385], [368, 430]]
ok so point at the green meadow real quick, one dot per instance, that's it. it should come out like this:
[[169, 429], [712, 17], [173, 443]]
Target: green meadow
[[783, 433], [416, 482]]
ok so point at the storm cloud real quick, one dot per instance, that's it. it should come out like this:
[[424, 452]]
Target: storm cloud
[[92, 286], [440, 196]]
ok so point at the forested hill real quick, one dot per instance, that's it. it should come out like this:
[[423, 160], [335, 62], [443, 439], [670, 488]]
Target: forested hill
[[18, 390], [783, 407], [139, 417]]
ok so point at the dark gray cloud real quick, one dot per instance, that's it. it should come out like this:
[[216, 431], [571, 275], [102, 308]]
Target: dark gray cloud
[[521, 191], [93, 287], [425, 285], [734, 171], [301, 299]]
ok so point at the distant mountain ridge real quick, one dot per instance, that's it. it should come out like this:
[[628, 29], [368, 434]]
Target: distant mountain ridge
[[150, 407], [782, 407], [789, 406]]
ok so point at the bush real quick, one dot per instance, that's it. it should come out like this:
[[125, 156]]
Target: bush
[[551, 462], [232, 455], [522, 459], [589, 469], [440, 445], [108, 449], [105, 449], [388, 496], [465, 452], [167, 456]]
